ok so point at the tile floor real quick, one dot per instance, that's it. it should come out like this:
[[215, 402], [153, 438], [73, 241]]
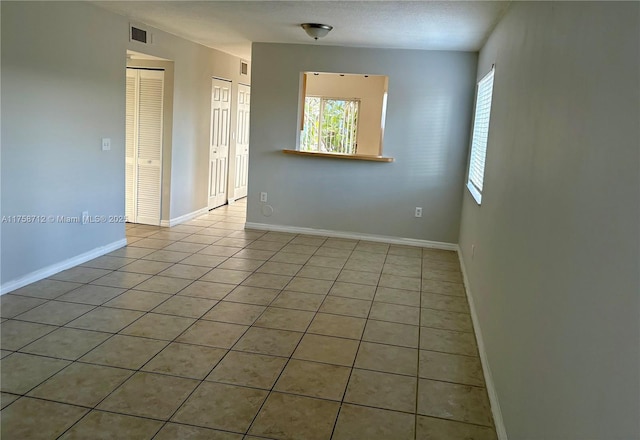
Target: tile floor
[[209, 331]]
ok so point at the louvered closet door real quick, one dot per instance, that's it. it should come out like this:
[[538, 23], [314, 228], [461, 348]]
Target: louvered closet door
[[144, 145], [130, 144], [242, 142], [219, 143]]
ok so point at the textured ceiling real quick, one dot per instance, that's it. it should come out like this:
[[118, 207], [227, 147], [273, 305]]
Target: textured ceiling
[[231, 26]]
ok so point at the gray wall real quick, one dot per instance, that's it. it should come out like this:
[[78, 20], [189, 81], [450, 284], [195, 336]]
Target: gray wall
[[427, 132], [62, 91], [555, 273]]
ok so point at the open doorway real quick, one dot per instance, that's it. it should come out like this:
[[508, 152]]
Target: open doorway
[[148, 137]]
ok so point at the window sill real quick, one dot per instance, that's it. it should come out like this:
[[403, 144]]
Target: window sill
[[340, 156], [477, 195]]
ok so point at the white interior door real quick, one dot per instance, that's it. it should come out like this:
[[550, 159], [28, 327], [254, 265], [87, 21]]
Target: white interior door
[[145, 90], [219, 145], [242, 142]]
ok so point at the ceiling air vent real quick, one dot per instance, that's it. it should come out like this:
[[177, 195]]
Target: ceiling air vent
[[138, 34], [244, 68]]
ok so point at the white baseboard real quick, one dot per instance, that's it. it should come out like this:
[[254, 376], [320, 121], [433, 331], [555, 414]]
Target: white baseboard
[[353, 236], [45, 272], [488, 378], [183, 218]]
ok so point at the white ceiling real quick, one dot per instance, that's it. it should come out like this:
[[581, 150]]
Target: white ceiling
[[231, 26]]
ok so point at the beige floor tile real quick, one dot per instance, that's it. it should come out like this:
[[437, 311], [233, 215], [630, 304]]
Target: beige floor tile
[[16, 334], [204, 289], [387, 358], [221, 406], [36, 419], [185, 360], [235, 242], [131, 252], [252, 295], [200, 239], [282, 237], [374, 248], [453, 401], [187, 306], [397, 296], [325, 251], [235, 313], [174, 431], [55, 313], [298, 301], [80, 274], [227, 276], [248, 369], [91, 294], [160, 284], [359, 422], [46, 289], [275, 268], [314, 380], [267, 280], [359, 277], [82, 384], [148, 267], [452, 266], [442, 275], [411, 271], [182, 246], [105, 319], [337, 325], [439, 254], [339, 243], [346, 306], [264, 245], [327, 349], [208, 261], [403, 260], [444, 302], [220, 251], [351, 290], [308, 240], [156, 326], [308, 285], [327, 261], [382, 390], [269, 341], [213, 334], [391, 333], [124, 352], [290, 417], [149, 395], [240, 264], [124, 280], [358, 265], [66, 343], [300, 249], [443, 287], [108, 262], [448, 341], [319, 273], [104, 425], [5, 353], [397, 282], [290, 257], [255, 254], [395, 313], [7, 399], [13, 305], [446, 320], [405, 251], [21, 372], [285, 319], [451, 368], [185, 271], [138, 300], [429, 428], [166, 256]]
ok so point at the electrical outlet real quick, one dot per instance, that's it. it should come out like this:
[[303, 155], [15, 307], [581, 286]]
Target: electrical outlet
[[106, 144], [263, 196], [418, 211]]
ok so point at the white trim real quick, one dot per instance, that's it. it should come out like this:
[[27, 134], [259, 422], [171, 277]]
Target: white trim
[[353, 236], [59, 267], [183, 218], [477, 195], [488, 378]]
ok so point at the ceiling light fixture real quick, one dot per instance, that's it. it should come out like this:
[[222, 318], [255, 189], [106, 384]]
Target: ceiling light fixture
[[316, 30]]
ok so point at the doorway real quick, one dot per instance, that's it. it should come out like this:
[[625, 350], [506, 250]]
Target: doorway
[[143, 157], [242, 143]]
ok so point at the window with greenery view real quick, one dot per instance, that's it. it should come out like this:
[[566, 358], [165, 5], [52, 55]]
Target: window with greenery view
[[330, 125]]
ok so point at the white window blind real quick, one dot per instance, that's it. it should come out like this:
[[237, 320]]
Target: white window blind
[[480, 135]]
